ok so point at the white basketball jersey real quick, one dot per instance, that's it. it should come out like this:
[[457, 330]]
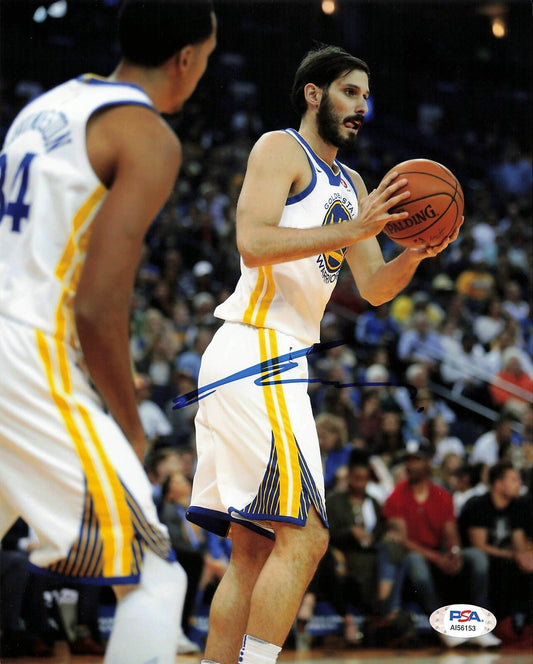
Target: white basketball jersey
[[49, 195], [291, 297]]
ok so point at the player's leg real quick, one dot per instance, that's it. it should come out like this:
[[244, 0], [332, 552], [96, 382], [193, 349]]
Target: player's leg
[[285, 577], [230, 607], [148, 615]]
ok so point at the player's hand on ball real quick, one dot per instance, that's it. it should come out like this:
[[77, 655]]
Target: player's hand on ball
[[374, 209], [431, 252]]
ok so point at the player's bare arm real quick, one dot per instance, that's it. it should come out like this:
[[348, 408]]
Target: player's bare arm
[[137, 157], [277, 168]]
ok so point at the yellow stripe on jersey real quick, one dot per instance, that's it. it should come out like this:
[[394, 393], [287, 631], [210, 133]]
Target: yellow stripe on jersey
[[267, 298], [254, 297], [68, 269], [289, 471], [120, 507], [294, 472], [103, 484], [81, 216], [261, 295], [110, 529]]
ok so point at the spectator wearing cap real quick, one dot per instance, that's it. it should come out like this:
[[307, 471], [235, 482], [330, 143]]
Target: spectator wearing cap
[[420, 516], [203, 273]]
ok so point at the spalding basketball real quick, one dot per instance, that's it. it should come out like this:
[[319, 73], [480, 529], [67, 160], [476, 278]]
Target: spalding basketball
[[435, 204]]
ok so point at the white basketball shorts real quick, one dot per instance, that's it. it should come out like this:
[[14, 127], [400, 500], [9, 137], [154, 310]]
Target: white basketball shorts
[[258, 453], [67, 469]]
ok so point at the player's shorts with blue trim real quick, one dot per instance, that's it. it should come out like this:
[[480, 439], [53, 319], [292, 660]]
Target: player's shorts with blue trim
[[67, 469], [258, 452]]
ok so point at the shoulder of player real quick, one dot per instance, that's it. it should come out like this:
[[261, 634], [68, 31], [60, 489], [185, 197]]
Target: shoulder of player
[[279, 146], [135, 128]]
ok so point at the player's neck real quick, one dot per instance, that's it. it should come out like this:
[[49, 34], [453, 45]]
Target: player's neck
[[325, 151], [151, 80]]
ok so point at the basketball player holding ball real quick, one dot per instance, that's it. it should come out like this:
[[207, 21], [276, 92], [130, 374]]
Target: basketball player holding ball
[[259, 474]]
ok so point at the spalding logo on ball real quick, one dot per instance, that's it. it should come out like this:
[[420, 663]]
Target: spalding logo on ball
[[435, 204]]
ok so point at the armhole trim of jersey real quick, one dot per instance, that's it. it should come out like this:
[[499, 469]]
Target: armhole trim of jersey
[[303, 194]]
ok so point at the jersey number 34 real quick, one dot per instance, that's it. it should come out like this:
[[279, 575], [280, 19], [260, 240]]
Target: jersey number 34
[[15, 208]]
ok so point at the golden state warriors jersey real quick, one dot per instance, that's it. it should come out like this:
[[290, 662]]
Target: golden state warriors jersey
[[291, 297], [49, 195]]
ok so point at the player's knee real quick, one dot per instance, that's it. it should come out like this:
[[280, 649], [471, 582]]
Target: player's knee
[[320, 542]]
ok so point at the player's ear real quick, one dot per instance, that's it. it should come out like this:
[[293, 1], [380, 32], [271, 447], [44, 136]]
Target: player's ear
[[313, 95], [184, 57]]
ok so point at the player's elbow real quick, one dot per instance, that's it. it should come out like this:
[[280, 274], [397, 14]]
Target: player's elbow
[[374, 297], [250, 251]]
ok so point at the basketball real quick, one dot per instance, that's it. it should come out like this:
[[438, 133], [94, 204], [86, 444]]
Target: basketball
[[435, 205]]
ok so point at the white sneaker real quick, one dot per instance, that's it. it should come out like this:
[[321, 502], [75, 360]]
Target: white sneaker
[[451, 641], [186, 646], [487, 641]]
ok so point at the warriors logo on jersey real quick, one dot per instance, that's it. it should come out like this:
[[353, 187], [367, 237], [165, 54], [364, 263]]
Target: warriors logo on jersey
[[331, 262]]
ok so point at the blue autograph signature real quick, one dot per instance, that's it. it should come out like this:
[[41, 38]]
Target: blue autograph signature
[[272, 367]]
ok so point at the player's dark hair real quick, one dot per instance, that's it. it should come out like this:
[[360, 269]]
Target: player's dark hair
[[322, 66], [152, 31], [498, 471]]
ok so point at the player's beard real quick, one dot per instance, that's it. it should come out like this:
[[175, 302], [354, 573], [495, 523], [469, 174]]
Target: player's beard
[[329, 125]]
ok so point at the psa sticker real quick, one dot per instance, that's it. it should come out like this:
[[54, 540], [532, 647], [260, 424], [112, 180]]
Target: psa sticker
[[464, 620]]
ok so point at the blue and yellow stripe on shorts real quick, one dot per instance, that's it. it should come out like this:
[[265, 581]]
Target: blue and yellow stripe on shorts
[[288, 488], [113, 531]]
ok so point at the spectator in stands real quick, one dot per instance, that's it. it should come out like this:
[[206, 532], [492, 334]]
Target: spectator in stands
[[160, 463], [491, 321], [376, 327], [189, 360], [333, 441], [182, 419], [421, 515], [188, 542], [425, 406], [437, 430], [368, 420], [495, 524], [512, 387], [464, 368], [471, 480], [446, 471], [420, 343], [390, 441], [512, 175], [154, 421], [158, 363], [356, 526], [476, 282], [494, 444], [514, 303]]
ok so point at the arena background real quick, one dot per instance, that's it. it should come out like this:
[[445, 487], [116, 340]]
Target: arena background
[[419, 52]]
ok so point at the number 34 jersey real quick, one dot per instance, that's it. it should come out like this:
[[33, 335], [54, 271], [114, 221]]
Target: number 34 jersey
[[49, 195]]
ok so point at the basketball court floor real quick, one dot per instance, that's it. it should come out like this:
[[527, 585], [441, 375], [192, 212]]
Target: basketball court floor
[[324, 656]]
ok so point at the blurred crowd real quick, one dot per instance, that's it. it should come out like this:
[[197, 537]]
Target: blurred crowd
[[446, 367]]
